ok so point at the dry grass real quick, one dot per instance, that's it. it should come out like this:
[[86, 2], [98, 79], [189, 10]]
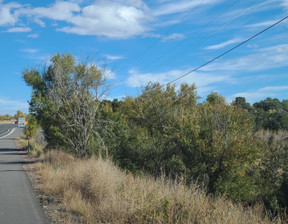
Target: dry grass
[[7, 122], [99, 192]]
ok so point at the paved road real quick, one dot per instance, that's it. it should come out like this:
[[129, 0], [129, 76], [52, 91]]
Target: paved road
[[18, 202], [5, 128]]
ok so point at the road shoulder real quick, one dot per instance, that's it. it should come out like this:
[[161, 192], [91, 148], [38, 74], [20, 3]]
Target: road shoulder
[[50, 203]]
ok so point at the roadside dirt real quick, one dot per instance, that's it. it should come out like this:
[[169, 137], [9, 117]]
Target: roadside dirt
[[51, 204]]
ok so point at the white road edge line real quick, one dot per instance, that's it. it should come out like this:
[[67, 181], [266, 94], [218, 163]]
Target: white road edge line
[[8, 133]]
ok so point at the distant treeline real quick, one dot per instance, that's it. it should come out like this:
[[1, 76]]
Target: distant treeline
[[237, 150], [268, 114], [8, 117]]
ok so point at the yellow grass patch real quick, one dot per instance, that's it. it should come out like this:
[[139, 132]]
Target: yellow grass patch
[[99, 192]]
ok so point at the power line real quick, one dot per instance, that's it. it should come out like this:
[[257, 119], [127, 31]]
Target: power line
[[228, 51], [185, 40], [158, 40], [191, 35], [195, 44]]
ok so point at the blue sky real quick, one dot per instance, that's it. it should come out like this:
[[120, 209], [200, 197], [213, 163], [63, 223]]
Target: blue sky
[[142, 41]]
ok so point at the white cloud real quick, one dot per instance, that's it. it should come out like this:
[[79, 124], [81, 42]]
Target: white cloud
[[108, 18], [266, 23], [265, 58], [269, 91], [113, 19], [252, 8], [30, 50], [7, 17], [109, 74], [11, 106], [113, 57], [62, 11], [203, 81], [40, 22], [173, 36], [182, 6], [34, 35], [224, 44], [284, 3], [19, 30]]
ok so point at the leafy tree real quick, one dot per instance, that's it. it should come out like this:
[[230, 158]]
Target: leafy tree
[[226, 143], [241, 102], [31, 127], [273, 169], [211, 142], [285, 105], [19, 114], [6, 117], [215, 98], [65, 99], [271, 114], [152, 117], [268, 104]]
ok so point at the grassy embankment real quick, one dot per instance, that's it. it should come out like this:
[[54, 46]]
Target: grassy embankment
[[99, 192]]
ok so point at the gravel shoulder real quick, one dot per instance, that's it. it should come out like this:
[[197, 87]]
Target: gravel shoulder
[[51, 204]]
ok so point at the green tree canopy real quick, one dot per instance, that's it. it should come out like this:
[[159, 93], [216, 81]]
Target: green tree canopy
[[19, 114], [65, 99]]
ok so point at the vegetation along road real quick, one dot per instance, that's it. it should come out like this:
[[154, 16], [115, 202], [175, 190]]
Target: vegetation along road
[[18, 203]]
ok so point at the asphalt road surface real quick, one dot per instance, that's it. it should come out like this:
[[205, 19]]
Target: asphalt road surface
[[18, 202]]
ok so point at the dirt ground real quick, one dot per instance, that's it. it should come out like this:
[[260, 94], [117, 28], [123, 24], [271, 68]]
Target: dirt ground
[[51, 204]]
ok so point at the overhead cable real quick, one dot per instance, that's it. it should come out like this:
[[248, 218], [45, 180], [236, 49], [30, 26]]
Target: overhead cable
[[228, 51]]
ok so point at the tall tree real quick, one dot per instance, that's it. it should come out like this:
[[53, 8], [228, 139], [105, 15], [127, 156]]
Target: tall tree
[[68, 94], [19, 114]]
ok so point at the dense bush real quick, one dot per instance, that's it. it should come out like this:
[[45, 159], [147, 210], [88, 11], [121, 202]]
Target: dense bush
[[165, 131]]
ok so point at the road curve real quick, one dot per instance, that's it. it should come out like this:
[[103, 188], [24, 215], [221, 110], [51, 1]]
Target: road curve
[[18, 202]]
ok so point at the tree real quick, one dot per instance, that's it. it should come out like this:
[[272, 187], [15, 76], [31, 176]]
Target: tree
[[227, 147], [271, 114], [19, 114], [241, 102], [215, 98], [31, 127], [153, 118], [273, 168], [68, 94], [268, 104]]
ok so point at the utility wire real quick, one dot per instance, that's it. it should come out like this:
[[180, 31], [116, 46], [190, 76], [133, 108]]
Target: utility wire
[[195, 44], [228, 51], [158, 40], [185, 40], [191, 35]]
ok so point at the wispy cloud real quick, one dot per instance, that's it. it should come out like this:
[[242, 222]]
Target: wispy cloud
[[266, 23], [181, 6], [40, 22], [224, 44], [61, 11], [11, 106], [34, 35], [109, 74], [269, 91], [19, 30], [173, 36], [113, 57], [204, 81], [284, 3], [254, 7], [7, 16], [264, 58], [30, 50]]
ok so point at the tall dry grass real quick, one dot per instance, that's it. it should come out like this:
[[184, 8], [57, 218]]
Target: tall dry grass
[[101, 193]]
